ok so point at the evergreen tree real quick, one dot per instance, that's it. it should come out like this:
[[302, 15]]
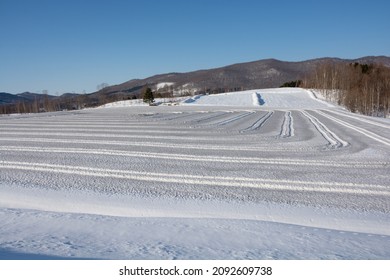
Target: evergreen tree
[[148, 95]]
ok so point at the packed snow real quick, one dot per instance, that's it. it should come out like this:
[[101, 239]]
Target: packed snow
[[276, 98], [260, 174]]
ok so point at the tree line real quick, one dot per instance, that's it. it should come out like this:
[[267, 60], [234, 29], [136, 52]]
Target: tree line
[[44, 103], [362, 88]]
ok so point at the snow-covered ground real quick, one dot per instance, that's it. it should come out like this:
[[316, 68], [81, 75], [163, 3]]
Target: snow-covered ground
[[265, 174], [275, 97]]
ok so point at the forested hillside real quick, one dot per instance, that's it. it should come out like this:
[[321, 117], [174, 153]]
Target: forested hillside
[[361, 85], [363, 88]]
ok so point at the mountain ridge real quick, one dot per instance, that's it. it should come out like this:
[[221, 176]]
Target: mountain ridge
[[264, 73]]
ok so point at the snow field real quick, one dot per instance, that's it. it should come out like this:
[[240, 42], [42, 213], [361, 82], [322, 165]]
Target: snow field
[[277, 98], [249, 181], [84, 236]]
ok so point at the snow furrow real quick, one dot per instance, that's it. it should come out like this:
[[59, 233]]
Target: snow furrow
[[243, 182], [205, 146], [168, 130], [186, 157], [287, 126], [260, 122], [382, 125], [82, 126], [233, 119], [333, 140], [363, 131], [207, 118], [179, 116], [99, 135]]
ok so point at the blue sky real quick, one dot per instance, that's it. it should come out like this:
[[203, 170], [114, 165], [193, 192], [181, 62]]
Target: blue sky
[[74, 45]]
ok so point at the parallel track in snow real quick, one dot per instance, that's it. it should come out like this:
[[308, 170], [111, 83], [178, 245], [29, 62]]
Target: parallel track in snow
[[232, 119], [124, 126], [287, 126], [372, 135], [200, 158], [203, 146], [260, 122], [183, 137], [243, 182], [208, 117], [361, 119], [333, 139]]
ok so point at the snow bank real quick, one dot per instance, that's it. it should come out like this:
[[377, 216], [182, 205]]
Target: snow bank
[[90, 225], [78, 236]]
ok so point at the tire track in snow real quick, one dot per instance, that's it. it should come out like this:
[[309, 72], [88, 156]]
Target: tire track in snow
[[206, 118], [333, 140], [358, 118], [287, 126], [233, 119], [363, 131], [200, 158], [123, 131], [185, 116], [88, 125], [173, 116], [98, 135], [259, 123], [206, 146], [177, 116], [49, 122], [242, 182]]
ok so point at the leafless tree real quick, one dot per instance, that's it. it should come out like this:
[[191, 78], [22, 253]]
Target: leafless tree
[[360, 87]]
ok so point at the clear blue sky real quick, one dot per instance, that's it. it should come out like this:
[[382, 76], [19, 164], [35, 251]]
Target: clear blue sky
[[74, 45]]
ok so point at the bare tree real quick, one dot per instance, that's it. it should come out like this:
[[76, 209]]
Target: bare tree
[[360, 87]]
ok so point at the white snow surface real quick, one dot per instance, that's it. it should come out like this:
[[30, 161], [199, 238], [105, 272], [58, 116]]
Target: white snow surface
[[262, 174], [274, 97]]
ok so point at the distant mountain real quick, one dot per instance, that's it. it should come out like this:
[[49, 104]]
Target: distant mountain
[[32, 96], [266, 73], [67, 95], [8, 98]]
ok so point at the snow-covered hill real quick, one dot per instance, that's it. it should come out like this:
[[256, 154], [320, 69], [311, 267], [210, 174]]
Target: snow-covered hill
[[264, 174], [266, 98], [260, 98]]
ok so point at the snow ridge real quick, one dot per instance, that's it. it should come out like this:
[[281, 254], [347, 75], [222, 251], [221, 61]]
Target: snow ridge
[[266, 184], [260, 122], [363, 131], [331, 137], [233, 119], [287, 126], [201, 158]]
